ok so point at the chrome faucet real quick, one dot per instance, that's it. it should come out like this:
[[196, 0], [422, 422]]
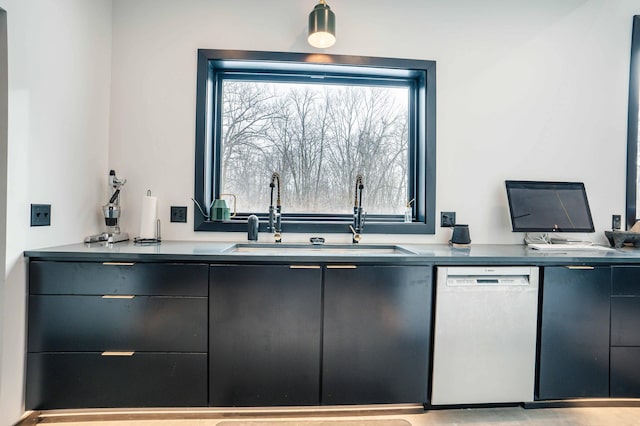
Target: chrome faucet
[[275, 224], [358, 214]]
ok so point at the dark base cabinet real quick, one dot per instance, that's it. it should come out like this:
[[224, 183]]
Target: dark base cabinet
[[268, 332], [116, 335], [264, 335], [163, 334], [376, 345], [574, 334], [92, 380]]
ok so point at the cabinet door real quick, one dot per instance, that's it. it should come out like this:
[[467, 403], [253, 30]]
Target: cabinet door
[[92, 380], [574, 334], [376, 338], [264, 335]]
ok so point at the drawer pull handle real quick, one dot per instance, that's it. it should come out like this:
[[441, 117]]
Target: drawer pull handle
[[342, 267], [118, 353], [118, 263], [118, 296], [586, 268], [304, 266]]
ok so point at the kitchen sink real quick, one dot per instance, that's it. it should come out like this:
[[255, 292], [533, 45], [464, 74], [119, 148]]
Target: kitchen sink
[[273, 249]]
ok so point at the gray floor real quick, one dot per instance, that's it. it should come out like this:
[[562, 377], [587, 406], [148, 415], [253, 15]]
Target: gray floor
[[590, 416]]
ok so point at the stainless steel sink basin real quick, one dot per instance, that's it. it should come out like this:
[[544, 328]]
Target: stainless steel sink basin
[[317, 250]]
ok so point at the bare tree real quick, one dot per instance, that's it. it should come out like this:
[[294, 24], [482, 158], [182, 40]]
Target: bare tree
[[318, 137], [247, 114]]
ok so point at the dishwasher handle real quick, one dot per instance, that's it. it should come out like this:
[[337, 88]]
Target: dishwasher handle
[[466, 271]]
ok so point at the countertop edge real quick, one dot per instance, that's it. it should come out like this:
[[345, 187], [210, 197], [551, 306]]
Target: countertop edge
[[440, 254]]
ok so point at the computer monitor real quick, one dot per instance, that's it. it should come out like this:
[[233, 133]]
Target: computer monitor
[[548, 206]]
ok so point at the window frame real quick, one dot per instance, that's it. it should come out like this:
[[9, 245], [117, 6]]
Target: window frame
[[632, 124], [422, 137]]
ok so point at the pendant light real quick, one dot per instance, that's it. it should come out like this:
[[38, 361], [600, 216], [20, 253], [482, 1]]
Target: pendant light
[[322, 26]]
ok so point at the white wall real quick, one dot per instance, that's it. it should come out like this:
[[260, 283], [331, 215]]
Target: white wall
[[59, 63], [3, 161], [526, 90]]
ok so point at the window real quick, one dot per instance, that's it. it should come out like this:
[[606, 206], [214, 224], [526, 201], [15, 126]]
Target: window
[[633, 140], [317, 121]]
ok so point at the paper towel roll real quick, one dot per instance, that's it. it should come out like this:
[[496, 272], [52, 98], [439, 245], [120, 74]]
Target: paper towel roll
[[148, 217]]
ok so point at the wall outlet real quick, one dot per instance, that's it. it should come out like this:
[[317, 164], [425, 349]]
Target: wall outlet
[[40, 214], [178, 214], [447, 219], [616, 222]]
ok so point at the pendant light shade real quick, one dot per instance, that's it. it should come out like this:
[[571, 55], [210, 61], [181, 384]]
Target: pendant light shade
[[322, 26]]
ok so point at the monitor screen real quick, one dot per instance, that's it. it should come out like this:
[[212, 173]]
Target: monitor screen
[[548, 206]]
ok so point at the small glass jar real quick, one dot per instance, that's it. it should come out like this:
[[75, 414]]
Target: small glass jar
[[408, 214]]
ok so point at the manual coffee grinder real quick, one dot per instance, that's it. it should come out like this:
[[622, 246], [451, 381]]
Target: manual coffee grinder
[[111, 212]]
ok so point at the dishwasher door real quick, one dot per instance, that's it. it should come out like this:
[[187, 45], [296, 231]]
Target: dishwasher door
[[485, 335]]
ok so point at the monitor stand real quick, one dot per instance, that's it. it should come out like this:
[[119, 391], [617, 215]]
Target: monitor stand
[[560, 240], [545, 238]]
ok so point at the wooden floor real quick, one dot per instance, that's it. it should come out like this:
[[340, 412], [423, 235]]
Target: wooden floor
[[511, 416]]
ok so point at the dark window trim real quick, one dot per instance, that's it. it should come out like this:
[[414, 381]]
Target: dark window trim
[[632, 123], [423, 163]]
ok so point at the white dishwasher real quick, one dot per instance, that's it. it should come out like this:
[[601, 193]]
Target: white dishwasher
[[485, 335]]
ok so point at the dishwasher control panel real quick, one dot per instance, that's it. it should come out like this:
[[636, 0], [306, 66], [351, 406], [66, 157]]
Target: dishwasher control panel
[[487, 280]]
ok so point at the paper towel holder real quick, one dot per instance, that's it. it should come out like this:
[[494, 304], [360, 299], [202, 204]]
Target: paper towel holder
[[150, 241]]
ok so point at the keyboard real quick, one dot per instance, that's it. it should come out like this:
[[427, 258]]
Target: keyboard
[[568, 247]]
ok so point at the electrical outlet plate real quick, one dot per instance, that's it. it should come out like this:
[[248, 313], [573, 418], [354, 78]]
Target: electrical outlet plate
[[179, 214], [40, 214], [447, 219], [616, 222]]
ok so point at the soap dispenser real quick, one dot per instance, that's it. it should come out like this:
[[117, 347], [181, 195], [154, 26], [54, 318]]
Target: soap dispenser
[[408, 212], [252, 228]]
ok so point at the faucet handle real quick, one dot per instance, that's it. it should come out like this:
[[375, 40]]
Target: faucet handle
[[356, 236]]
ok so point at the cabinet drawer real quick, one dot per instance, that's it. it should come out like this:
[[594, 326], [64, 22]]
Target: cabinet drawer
[[626, 280], [625, 321], [93, 323], [90, 380], [162, 279], [625, 372]]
